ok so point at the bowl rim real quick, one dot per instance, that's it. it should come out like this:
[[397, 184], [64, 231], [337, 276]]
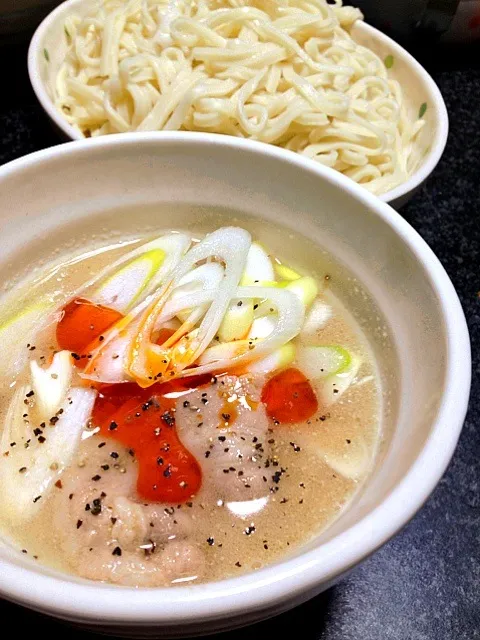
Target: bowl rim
[[292, 577], [440, 134]]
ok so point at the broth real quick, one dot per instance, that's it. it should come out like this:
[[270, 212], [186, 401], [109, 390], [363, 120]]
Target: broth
[[310, 471]]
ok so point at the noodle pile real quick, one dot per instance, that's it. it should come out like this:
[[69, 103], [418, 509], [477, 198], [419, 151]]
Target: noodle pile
[[285, 72]]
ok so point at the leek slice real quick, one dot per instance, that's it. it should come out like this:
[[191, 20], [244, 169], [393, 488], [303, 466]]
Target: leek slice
[[279, 359], [237, 320], [289, 321], [147, 266], [224, 351], [321, 362], [317, 317], [333, 365], [125, 286], [131, 338], [336, 385], [29, 470], [239, 315], [258, 267], [305, 288], [51, 385], [286, 273], [20, 330], [205, 277], [262, 327]]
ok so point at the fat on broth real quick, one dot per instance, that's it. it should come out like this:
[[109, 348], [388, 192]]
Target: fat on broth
[[267, 485]]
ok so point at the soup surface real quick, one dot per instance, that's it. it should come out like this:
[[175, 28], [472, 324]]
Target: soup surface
[[183, 410]]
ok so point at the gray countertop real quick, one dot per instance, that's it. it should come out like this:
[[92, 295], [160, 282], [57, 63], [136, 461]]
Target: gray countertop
[[424, 584]]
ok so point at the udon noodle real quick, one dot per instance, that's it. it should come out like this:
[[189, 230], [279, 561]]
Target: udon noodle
[[284, 72]]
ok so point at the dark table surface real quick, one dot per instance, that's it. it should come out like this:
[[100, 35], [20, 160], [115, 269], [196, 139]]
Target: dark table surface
[[424, 584]]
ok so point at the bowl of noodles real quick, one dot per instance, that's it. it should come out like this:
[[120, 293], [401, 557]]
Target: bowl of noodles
[[310, 78]]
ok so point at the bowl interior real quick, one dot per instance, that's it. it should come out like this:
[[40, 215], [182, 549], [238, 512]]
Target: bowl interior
[[72, 184], [51, 43]]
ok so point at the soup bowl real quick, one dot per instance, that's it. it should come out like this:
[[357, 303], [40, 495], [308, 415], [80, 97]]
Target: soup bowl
[[410, 312]]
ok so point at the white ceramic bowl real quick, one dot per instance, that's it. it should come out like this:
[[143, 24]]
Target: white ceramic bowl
[[426, 376], [419, 88]]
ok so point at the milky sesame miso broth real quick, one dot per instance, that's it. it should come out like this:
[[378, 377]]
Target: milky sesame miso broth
[[180, 406]]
